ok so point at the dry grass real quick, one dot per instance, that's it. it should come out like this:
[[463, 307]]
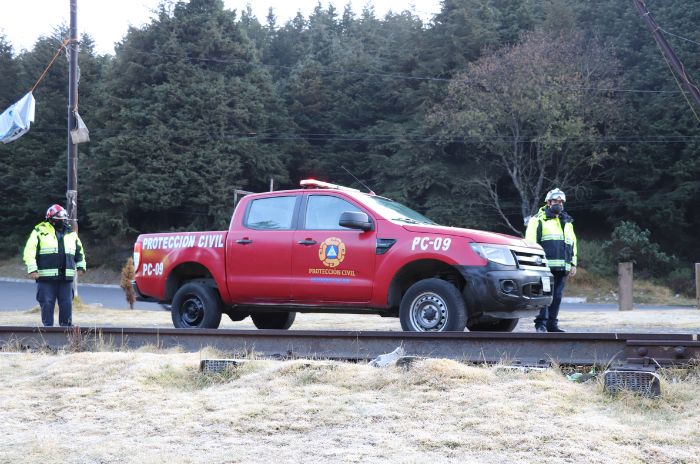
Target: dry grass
[[146, 407], [604, 290], [154, 406]]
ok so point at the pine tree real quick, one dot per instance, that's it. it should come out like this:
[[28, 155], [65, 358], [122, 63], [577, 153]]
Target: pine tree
[[190, 116], [33, 171]]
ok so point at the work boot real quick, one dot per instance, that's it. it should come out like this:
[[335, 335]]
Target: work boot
[[540, 329], [555, 329]]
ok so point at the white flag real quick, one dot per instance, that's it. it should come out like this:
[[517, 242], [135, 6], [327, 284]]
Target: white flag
[[15, 120]]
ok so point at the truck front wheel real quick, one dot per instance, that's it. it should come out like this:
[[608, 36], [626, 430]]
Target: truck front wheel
[[281, 320], [196, 306], [433, 305]]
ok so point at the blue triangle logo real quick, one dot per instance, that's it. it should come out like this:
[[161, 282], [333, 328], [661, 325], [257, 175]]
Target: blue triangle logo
[[332, 252]]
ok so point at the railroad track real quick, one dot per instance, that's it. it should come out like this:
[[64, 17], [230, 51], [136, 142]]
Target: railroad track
[[609, 349]]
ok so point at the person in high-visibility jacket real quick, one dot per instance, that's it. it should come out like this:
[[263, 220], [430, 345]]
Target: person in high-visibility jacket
[[53, 254], [553, 228]]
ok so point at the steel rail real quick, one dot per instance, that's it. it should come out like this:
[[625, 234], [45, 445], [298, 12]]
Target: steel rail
[[610, 349]]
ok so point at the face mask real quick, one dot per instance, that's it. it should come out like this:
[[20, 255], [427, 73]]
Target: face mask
[[556, 208], [60, 226]]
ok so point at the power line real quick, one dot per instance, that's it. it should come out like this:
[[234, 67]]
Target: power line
[[511, 209], [402, 137], [326, 69], [359, 137], [679, 36], [674, 64], [321, 68]]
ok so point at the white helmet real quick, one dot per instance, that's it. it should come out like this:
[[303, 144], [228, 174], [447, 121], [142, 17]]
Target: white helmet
[[555, 194]]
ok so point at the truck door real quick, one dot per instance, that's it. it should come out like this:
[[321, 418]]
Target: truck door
[[259, 251], [330, 263]]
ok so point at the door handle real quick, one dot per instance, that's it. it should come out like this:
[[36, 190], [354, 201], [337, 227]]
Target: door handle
[[244, 241], [307, 242]]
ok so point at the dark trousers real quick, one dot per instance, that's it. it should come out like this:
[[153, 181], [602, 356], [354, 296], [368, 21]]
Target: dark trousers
[[548, 315], [47, 293]]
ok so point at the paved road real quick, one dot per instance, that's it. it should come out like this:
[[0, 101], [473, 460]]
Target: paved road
[[21, 295], [614, 307]]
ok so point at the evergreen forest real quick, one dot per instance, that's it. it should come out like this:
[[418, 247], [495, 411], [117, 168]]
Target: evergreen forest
[[469, 117]]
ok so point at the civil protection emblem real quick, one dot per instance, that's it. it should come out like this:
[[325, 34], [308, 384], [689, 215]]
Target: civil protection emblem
[[332, 252]]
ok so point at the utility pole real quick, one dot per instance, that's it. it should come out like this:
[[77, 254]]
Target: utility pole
[[667, 51], [72, 186], [72, 191]]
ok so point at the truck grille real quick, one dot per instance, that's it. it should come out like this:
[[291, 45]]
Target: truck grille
[[530, 258]]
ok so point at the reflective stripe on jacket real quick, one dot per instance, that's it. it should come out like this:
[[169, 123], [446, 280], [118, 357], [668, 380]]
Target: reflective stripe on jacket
[[42, 254], [557, 237]]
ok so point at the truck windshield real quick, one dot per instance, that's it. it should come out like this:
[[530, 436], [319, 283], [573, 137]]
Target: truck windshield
[[396, 211]]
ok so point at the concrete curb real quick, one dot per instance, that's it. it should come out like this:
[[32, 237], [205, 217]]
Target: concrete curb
[[573, 299]]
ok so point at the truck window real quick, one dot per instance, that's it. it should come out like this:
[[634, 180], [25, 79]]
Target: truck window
[[274, 213], [395, 211], [323, 212]]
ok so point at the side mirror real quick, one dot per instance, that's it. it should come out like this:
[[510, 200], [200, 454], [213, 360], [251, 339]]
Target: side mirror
[[355, 220]]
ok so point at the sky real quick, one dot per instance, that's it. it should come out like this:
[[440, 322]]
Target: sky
[[24, 21]]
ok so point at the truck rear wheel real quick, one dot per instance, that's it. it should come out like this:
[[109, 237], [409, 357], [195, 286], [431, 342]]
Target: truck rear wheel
[[493, 325], [196, 306], [433, 305], [277, 320]]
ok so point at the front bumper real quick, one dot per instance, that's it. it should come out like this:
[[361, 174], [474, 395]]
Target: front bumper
[[504, 292]]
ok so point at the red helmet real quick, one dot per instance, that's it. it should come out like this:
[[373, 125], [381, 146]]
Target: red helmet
[[56, 213]]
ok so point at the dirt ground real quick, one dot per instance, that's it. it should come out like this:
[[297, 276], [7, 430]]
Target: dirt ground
[[638, 321]]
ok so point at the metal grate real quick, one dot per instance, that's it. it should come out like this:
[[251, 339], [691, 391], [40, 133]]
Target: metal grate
[[642, 382], [530, 258], [217, 365]]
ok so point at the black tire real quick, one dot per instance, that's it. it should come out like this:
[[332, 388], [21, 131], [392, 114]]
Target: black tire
[[433, 305], [493, 325], [276, 320], [196, 306]]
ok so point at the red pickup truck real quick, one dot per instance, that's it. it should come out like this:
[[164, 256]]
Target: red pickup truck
[[327, 248]]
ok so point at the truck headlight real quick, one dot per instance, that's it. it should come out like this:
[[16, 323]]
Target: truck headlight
[[496, 253]]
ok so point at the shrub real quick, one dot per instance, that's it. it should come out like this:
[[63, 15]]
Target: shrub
[[631, 244], [681, 281], [593, 257], [125, 282]]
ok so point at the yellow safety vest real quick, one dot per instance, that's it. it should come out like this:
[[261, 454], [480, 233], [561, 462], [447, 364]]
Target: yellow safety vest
[[42, 255], [557, 237]]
